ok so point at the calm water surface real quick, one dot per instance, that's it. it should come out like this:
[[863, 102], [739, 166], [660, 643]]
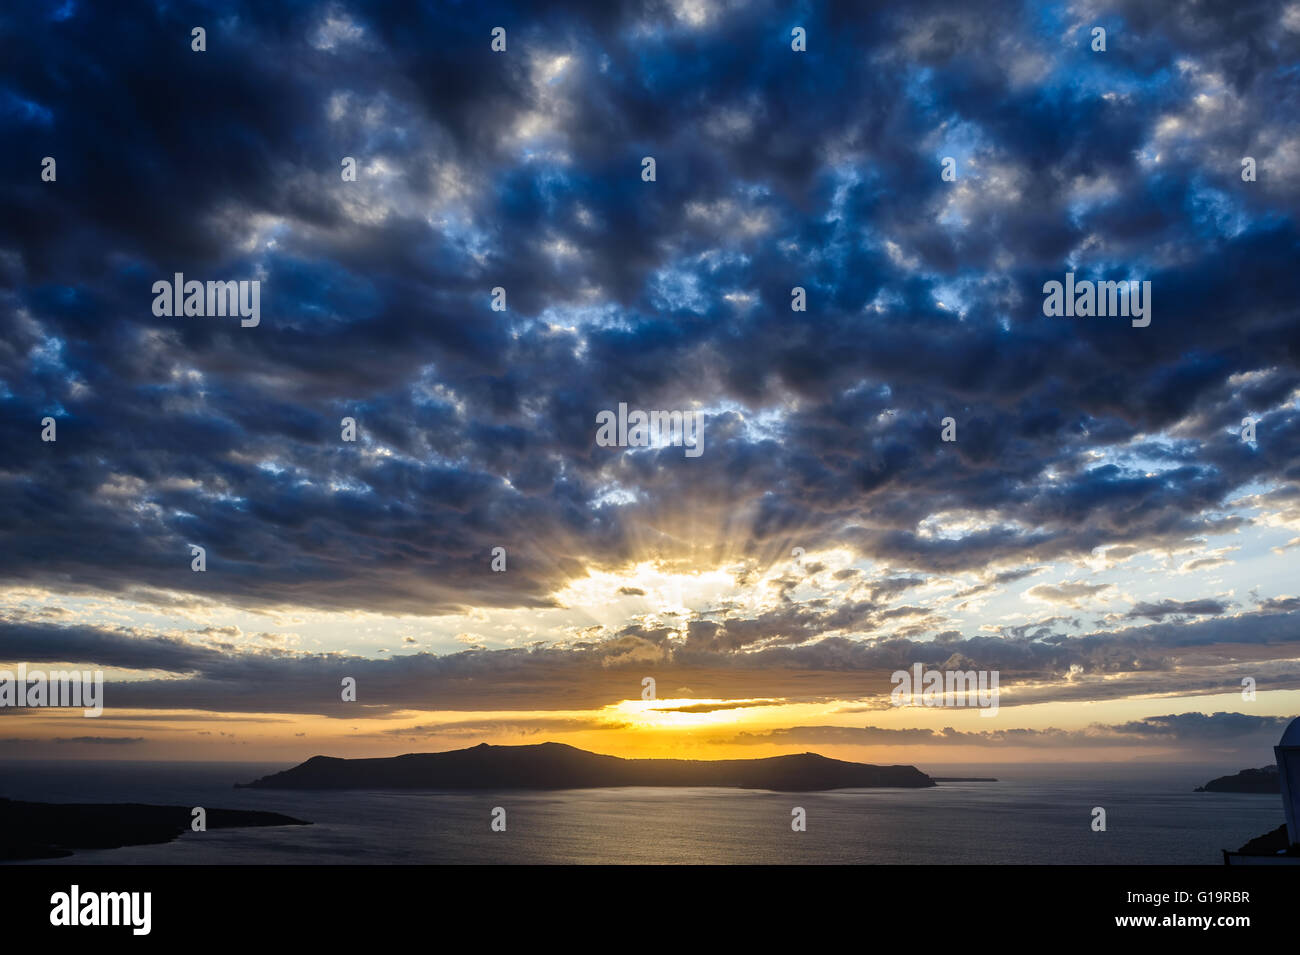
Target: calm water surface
[[1032, 815]]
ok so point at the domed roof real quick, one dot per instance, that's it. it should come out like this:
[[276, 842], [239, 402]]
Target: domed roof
[[1292, 735]]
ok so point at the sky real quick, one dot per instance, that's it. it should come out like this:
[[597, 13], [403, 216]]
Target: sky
[[1102, 532]]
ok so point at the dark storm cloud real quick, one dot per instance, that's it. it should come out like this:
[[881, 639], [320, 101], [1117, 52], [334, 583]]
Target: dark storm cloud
[[775, 170]]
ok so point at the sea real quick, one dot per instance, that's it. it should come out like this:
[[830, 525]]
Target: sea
[[1039, 814]]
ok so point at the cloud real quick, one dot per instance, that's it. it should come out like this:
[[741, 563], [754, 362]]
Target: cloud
[[1185, 728], [715, 707], [1169, 608], [1081, 443], [233, 436], [101, 740], [476, 729], [1070, 594], [1203, 656]]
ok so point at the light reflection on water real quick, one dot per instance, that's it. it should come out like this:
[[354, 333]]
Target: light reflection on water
[[1151, 818]]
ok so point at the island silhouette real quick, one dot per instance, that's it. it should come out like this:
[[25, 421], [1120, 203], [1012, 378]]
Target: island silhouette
[[40, 830], [560, 766], [1262, 780]]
